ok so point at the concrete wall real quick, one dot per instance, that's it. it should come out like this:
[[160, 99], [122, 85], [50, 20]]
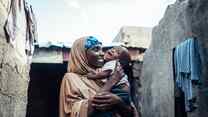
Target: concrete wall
[[157, 77], [13, 68], [132, 36], [136, 84]]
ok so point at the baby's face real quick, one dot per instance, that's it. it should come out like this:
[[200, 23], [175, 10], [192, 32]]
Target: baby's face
[[111, 54]]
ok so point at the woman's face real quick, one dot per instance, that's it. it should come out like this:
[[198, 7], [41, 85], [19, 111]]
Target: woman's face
[[95, 56]]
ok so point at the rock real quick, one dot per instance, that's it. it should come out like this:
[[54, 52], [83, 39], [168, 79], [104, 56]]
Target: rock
[[14, 71], [157, 75]]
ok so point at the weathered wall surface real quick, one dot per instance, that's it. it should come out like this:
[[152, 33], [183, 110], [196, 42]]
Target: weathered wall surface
[[136, 84], [157, 76], [13, 70]]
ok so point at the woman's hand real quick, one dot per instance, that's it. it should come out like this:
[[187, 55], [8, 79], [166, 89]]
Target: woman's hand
[[105, 101]]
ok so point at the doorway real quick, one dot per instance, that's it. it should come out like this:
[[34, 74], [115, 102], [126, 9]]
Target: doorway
[[43, 90]]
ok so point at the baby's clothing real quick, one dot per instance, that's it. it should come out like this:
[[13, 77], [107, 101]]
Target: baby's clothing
[[111, 66], [116, 89]]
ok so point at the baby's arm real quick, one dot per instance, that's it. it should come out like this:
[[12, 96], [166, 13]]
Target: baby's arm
[[115, 78], [99, 75]]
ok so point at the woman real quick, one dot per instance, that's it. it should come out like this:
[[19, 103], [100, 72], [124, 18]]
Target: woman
[[79, 96]]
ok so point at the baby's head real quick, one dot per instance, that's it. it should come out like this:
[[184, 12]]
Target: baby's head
[[120, 53], [117, 52]]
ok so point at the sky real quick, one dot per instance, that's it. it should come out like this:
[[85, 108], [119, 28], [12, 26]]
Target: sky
[[67, 20]]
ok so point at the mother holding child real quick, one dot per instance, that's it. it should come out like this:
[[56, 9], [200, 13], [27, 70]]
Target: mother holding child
[[95, 84]]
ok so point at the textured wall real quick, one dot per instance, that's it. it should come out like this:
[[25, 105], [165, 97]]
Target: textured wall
[[136, 84], [157, 76], [13, 69]]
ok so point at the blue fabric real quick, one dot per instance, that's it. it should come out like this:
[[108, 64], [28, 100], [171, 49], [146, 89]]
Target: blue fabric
[[102, 114], [124, 95], [195, 61], [187, 68], [91, 42]]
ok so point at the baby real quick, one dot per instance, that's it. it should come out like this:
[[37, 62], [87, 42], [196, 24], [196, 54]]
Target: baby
[[113, 58]]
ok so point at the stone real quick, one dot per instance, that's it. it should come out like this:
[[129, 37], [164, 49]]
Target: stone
[[14, 70], [157, 75]]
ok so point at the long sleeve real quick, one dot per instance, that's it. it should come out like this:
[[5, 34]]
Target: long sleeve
[[72, 102]]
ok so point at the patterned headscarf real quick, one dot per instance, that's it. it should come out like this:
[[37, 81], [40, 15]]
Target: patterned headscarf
[[78, 62]]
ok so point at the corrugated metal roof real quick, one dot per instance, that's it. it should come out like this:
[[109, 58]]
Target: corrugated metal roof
[[69, 45], [45, 52], [133, 36], [54, 44]]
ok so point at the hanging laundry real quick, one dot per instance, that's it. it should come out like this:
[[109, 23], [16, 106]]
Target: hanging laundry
[[13, 20], [15, 29], [31, 34], [21, 28], [187, 70]]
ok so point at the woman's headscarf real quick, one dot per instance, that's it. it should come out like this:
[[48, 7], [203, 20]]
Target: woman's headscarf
[[78, 62]]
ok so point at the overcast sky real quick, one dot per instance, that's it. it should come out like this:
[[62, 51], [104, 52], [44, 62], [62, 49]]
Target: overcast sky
[[66, 20]]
